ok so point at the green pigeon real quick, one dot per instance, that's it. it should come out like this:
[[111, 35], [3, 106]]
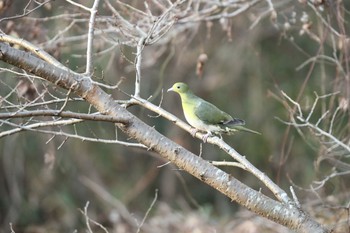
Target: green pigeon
[[206, 117]]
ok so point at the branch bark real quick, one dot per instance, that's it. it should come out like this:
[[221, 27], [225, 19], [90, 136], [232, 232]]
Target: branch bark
[[285, 214]]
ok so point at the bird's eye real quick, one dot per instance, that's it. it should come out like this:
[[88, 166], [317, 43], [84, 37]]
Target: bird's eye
[[178, 87]]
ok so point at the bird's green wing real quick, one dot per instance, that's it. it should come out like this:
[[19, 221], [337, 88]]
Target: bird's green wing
[[210, 114]]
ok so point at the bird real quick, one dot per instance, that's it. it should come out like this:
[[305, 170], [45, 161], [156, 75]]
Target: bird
[[206, 117]]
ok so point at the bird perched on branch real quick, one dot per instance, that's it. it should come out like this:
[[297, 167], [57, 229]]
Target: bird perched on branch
[[206, 117]]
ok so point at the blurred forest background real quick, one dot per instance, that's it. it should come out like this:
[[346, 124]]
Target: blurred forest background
[[244, 66]]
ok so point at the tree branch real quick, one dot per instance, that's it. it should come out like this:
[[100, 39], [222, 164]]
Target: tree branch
[[89, 49], [64, 114]]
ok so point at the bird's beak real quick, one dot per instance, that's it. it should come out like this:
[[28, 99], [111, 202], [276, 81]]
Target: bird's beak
[[170, 89]]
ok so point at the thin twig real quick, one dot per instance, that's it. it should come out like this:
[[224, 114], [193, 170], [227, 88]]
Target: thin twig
[[65, 114], [148, 211], [138, 61], [89, 47], [315, 127], [34, 128], [163, 165], [227, 163], [111, 200], [11, 228], [25, 12], [66, 100], [295, 198], [88, 220], [297, 105], [79, 5]]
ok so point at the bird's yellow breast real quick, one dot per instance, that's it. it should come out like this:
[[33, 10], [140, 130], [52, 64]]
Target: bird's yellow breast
[[189, 107]]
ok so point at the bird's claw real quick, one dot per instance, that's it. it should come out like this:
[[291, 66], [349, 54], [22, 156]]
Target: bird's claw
[[205, 137], [193, 132]]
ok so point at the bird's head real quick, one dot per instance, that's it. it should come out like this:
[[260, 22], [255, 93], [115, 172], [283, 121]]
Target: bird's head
[[179, 88]]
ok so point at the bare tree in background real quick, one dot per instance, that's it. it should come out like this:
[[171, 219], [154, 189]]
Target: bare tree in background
[[40, 93]]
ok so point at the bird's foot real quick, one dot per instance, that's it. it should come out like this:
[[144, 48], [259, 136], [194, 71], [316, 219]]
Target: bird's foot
[[194, 131], [205, 136]]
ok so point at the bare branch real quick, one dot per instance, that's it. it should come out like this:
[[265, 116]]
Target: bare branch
[[295, 198], [270, 11], [315, 127], [311, 5], [300, 113], [64, 114], [88, 220], [227, 163], [11, 228], [138, 61], [89, 49], [34, 49], [148, 211], [34, 128], [25, 11], [110, 199], [79, 5]]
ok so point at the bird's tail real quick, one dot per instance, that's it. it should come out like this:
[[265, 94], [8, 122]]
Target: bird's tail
[[232, 130], [235, 121], [241, 128]]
